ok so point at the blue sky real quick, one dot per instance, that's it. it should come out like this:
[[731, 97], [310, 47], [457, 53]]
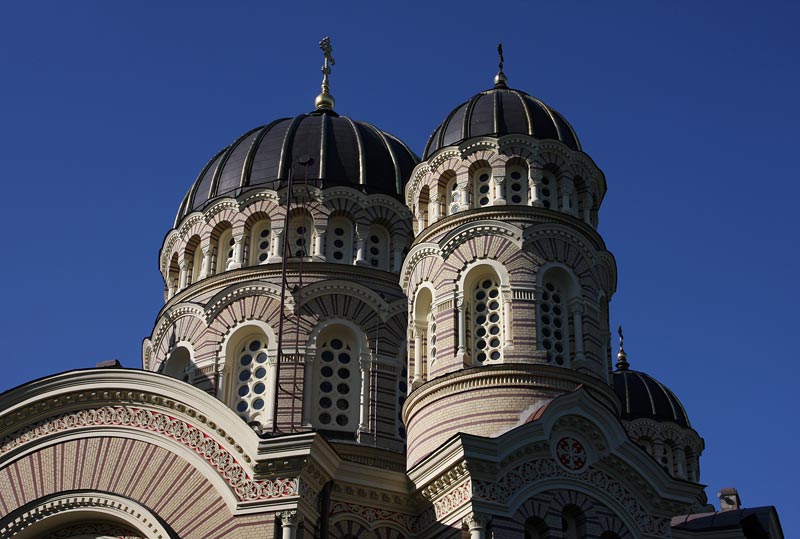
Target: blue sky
[[109, 110]]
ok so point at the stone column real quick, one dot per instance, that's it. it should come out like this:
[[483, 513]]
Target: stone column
[[238, 252], [534, 179], [499, 181], [577, 323], [461, 350], [289, 521], [434, 209], [506, 296], [361, 245], [272, 392], [205, 269], [462, 184], [276, 248], [319, 241], [476, 523], [418, 336], [184, 275], [364, 408]]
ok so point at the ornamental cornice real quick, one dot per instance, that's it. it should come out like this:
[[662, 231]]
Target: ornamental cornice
[[156, 422], [309, 271], [445, 481], [226, 203], [523, 216], [347, 492], [49, 506], [541, 377], [373, 515], [513, 483]]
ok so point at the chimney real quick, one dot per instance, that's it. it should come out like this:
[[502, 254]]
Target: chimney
[[109, 364], [729, 499]]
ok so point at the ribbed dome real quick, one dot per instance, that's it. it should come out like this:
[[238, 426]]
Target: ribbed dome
[[501, 111], [321, 147], [643, 397]]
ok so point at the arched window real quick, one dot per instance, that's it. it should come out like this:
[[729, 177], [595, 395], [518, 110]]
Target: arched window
[[178, 364], [422, 208], [536, 528], [337, 379], [483, 316], [260, 242], [195, 256], [378, 247], [339, 240], [557, 289], [249, 372], [225, 243], [173, 276], [402, 391], [517, 184], [573, 522], [549, 190], [691, 464], [452, 197], [482, 187], [424, 334], [299, 240]]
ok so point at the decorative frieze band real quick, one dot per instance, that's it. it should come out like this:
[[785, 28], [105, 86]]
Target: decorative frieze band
[[245, 488]]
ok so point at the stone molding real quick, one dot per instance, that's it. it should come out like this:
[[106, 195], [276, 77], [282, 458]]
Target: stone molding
[[138, 516], [212, 452], [535, 471]]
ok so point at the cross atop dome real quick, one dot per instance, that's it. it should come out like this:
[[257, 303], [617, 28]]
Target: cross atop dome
[[325, 100]]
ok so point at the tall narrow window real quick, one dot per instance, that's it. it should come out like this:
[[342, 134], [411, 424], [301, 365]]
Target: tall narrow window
[[535, 528], [558, 292], [486, 320], [178, 364], [453, 197], [402, 391], [517, 185], [482, 187], [248, 375], [422, 208], [338, 380], [573, 523], [553, 322], [339, 240], [378, 247], [260, 242], [549, 190], [299, 240]]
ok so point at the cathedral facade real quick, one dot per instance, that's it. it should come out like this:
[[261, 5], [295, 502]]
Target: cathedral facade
[[359, 342]]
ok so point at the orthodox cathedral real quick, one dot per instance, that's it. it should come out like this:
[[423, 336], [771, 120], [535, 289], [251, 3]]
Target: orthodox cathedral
[[357, 342]]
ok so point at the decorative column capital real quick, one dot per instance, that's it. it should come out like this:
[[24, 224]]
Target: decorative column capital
[[289, 518], [476, 521]]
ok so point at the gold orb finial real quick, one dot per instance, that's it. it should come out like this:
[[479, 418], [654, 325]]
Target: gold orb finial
[[325, 100], [622, 357], [500, 80]]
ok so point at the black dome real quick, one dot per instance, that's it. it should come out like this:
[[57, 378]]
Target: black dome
[[501, 111], [322, 147], [643, 397]]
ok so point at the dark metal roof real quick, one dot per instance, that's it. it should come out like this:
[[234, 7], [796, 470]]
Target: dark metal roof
[[643, 397], [752, 522], [321, 147], [497, 112]]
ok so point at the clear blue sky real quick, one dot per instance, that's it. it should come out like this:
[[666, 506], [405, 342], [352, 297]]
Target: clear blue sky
[[109, 110]]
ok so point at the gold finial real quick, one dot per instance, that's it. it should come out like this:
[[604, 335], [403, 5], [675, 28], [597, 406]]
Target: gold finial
[[622, 357], [500, 80], [325, 99]]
